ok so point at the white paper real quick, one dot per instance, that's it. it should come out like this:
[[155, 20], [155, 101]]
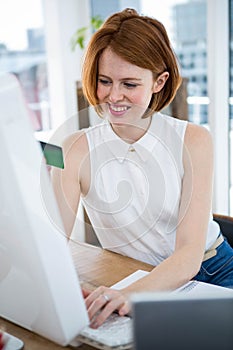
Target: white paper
[[192, 287], [133, 277]]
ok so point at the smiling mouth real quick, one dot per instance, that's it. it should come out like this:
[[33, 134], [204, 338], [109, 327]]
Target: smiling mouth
[[118, 110]]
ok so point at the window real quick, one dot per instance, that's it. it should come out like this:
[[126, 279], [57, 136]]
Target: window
[[205, 34], [22, 52], [186, 23]]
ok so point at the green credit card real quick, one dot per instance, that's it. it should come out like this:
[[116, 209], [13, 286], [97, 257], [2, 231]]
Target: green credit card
[[53, 154]]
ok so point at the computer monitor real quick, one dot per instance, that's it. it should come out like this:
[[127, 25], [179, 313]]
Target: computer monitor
[[39, 287]]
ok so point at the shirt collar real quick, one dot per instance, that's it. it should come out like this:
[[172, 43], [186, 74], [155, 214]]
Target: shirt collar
[[121, 149]]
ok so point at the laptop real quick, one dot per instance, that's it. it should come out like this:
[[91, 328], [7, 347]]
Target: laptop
[[176, 321], [39, 286]]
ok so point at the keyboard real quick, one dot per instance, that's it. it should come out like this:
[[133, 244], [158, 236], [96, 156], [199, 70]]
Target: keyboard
[[115, 333]]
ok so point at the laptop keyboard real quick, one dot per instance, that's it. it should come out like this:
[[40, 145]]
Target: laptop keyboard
[[116, 332]]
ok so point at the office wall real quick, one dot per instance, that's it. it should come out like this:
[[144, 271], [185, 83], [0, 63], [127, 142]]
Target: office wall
[[62, 19]]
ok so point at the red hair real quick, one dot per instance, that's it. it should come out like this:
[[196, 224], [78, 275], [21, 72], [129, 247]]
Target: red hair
[[140, 40]]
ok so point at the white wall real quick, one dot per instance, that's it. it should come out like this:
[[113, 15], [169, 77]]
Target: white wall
[[62, 19]]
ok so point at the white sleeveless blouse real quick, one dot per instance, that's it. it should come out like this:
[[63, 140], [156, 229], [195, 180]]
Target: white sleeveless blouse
[[135, 190]]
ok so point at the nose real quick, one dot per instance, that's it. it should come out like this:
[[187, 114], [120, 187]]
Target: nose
[[115, 94]]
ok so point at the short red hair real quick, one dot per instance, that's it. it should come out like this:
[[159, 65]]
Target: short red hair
[[140, 40]]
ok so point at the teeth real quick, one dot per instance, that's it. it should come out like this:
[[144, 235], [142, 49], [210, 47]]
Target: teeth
[[118, 109]]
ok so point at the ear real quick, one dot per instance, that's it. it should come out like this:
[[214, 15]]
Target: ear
[[160, 82]]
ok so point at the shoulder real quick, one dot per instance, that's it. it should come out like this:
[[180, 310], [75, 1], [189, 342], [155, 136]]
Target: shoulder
[[170, 119], [171, 125], [198, 144], [197, 136], [75, 147]]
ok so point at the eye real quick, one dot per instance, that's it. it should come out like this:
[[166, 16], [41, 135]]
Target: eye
[[104, 81], [130, 85]]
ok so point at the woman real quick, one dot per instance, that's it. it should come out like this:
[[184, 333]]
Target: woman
[[145, 178]]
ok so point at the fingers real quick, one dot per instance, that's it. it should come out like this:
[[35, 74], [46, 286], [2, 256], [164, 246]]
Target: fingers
[[85, 292], [102, 303], [94, 296], [125, 309], [98, 318]]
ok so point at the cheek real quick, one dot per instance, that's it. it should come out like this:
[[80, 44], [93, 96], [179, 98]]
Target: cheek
[[141, 98], [101, 92]]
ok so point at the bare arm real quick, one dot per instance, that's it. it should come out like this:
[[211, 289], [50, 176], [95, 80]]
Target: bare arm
[[195, 207], [67, 181]]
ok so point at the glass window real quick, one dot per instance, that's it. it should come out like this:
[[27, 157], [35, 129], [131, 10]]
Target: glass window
[[186, 23], [22, 52]]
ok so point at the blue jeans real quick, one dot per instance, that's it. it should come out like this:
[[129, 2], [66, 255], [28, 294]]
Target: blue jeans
[[218, 269]]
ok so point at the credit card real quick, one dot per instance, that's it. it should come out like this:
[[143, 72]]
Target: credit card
[[53, 154]]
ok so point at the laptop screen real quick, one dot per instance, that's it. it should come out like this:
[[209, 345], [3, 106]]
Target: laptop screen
[[180, 321]]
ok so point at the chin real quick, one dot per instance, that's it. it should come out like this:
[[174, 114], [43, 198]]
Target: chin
[[119, 121]]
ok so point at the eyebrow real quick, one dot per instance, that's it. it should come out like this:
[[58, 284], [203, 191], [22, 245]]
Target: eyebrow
[[124, 79]]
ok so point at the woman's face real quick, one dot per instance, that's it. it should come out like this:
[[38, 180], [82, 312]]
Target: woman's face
[[124, 90]]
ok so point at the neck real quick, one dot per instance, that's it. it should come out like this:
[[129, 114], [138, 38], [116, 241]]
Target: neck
[[131, 133]]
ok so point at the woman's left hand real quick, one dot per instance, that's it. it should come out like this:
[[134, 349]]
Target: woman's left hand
[[102, 302]]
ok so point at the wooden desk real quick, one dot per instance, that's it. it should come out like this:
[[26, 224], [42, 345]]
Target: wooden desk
[[95, 267]]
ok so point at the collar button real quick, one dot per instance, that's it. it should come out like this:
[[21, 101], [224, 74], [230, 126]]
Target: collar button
[[131, 149]]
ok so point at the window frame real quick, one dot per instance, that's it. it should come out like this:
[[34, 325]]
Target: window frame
[[218, 92]]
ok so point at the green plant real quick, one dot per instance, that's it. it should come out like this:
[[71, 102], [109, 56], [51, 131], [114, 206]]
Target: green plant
[[79, 37]]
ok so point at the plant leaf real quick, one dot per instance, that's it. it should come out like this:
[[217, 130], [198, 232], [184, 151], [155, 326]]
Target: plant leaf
[[96, 22], [78, 38]]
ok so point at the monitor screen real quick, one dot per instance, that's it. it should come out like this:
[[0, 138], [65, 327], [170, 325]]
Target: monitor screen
[[39, 287]]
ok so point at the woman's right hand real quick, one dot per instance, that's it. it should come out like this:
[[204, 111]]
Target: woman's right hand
[[102, 302]]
